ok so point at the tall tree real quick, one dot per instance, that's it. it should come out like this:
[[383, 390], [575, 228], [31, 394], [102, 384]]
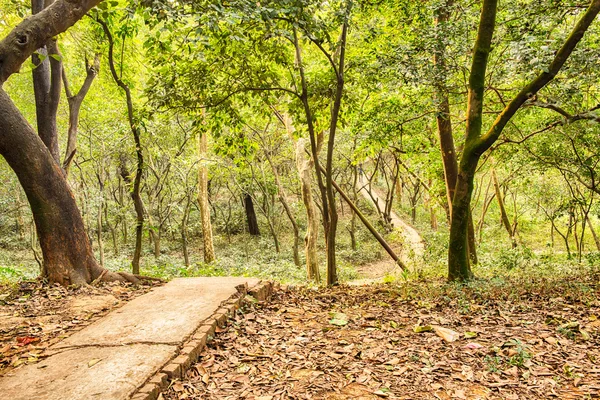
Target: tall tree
[[134, 125], [207, 235], [67, 254], [477, 142]]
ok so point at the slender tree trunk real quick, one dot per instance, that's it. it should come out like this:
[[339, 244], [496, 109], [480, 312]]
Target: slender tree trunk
[[286, 207], [115, 241], [184, 240], [444, 122], [503, 214], [135, 130], [594, 235], [251, 215], [207, 235], [304, 166], [273, 235], [20, 221], [155, 239], [99, 225], [486, 204], [315, 141], [75, 102], [352, 229]]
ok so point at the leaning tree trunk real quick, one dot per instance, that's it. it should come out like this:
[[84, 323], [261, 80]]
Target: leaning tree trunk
[[595, 236], [207, 236], [503, 213], [68, 258]]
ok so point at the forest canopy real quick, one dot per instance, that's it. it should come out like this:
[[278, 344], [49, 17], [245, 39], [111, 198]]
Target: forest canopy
[[288, 138]]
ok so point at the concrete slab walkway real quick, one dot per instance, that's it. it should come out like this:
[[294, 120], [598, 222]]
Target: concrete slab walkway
[[117, 356]]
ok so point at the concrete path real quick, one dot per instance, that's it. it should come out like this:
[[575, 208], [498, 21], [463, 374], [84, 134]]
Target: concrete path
[[117, 355]]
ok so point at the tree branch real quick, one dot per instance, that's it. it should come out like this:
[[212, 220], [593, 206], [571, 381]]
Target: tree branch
[[35, 31]]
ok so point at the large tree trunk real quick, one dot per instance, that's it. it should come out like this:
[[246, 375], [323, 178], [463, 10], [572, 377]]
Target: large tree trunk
[[67, 253], [68, 256], [444, 122], [477, 143], [207, 236]]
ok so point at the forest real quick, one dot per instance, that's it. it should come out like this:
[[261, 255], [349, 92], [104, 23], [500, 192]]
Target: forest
[[391, 156]]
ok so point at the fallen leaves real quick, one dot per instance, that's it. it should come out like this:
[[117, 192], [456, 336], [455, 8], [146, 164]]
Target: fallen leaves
[[386, 345]]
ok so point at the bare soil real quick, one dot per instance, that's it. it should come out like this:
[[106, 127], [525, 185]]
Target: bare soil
[[34, 315], [515, 340]]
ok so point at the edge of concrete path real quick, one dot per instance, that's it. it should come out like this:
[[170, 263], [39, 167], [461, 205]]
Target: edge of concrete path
[[192, 346]]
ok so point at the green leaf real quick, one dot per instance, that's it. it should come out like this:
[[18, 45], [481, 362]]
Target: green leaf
[[422, 328], [338, 319]]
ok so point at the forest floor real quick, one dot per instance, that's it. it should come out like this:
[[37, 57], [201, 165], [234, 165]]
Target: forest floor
[[34, 316], [531, 339]]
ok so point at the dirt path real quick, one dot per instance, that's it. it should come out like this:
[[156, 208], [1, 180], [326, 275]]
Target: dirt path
[[414, 245]]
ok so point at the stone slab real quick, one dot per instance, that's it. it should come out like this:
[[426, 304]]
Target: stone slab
[[168, 314], [115, 356], [76, 374]]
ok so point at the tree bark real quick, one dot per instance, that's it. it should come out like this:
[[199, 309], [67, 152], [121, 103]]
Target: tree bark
[[46, 74], [304, 166], [332, 278], [207, 235], [251, 215], [594, 235], [444, 121], [67, 253], [75, 102], [503, 214], [135, 130], [184, 240], [68, 258]]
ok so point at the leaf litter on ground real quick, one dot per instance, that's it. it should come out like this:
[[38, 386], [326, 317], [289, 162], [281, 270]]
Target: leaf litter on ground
[[295, 351], [35, 315]]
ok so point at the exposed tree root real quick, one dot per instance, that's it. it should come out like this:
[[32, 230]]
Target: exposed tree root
[[108, 276]]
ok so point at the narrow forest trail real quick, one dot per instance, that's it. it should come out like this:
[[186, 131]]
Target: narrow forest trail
[[412, 248]]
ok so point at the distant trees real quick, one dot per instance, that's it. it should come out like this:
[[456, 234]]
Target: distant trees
[[213, 119]]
